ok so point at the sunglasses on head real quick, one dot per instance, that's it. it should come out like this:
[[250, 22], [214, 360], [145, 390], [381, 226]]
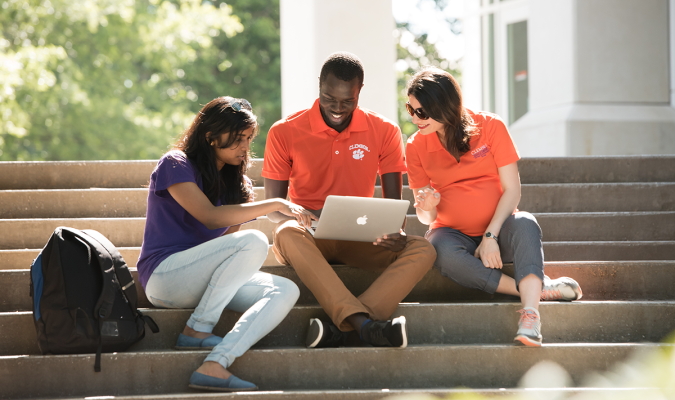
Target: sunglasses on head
[[419, 112], [237, 105]]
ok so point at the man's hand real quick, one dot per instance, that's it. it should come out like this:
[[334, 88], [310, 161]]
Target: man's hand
[[427, 199], [393, 242], [488, 253]]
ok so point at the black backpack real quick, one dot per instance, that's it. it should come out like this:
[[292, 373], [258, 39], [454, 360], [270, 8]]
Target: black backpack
[[84, 297]]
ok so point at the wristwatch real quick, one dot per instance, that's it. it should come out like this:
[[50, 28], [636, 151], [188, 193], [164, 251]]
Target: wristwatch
[[490, 235]]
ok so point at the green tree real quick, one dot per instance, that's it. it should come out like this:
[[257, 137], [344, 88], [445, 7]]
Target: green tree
[[413, 51], [120, 79]]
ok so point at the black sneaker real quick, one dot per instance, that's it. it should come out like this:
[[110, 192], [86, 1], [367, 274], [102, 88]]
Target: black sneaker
[[386, 333], [324, 334]]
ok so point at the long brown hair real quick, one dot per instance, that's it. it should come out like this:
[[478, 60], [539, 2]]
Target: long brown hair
[[215, 119], [441, 99]]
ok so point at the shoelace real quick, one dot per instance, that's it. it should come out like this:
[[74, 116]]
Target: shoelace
[[527, 319], [551, 294]]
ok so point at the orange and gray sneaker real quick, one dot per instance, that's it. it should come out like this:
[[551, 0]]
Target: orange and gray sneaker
[[529, 328], [565, 289]]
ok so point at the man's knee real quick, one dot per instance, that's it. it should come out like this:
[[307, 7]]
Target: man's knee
[[423, 248], [288, 230]]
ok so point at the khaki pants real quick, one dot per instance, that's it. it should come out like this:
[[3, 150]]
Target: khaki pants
[[310, 258]]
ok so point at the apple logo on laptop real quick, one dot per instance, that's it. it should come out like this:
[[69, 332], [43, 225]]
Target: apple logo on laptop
[[361, 220]]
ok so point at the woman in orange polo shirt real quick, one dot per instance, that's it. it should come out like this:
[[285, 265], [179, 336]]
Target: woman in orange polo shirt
[[462, 167]]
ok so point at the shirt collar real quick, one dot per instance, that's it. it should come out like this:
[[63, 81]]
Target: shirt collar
[[318, 125], [433, 143]]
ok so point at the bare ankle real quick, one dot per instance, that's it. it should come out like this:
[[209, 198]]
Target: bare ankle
[[187, 331], [214, 369]]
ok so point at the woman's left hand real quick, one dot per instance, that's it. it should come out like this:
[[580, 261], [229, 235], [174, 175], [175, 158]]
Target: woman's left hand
[[488, 253]]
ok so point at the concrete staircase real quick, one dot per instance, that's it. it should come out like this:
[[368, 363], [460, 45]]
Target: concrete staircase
[[608, 222]]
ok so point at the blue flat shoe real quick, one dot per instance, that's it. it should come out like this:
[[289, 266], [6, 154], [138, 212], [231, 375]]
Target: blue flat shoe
[[231, 384], [190, 343]]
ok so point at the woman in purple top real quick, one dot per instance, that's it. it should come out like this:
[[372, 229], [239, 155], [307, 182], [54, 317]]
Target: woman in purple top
[[193, 254]]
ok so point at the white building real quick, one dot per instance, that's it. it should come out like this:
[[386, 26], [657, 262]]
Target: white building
[[570, 77], [575, 77]]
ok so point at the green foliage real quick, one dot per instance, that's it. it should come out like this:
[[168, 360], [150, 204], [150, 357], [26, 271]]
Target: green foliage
[[120, 79], [414, 51]]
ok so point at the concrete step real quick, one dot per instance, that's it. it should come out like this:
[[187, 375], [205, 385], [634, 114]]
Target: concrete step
[[75, 174], [609, 250], [413, 394], [553, 251], [429, 366], [625, 280], [134, 174], [112, 203], [128, 232], [578, 322], [597, 197]]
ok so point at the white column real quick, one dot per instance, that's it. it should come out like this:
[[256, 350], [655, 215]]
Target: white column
[[312, 30], [672, 52], [471, 64], [599, 79]]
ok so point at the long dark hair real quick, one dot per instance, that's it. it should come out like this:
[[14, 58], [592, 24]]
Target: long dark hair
[[215, 119], [441, 99]]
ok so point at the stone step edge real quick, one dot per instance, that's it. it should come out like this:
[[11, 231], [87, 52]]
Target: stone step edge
[[546, 263], [405, 187], [305, 367], [302, 349], [581, 213], [575, 303], [376, 394]]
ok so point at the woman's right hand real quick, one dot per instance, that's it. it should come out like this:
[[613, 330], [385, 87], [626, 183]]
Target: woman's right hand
[[427, 199], [303, 216]]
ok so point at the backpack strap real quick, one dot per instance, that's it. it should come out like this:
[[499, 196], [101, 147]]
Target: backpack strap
[[104, 305], [124, 278], [107, 298]]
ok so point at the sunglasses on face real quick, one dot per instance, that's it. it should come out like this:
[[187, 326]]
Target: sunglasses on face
[[419, 112], [237, 105]]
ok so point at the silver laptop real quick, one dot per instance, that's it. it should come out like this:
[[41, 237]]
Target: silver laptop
[[360, 219]]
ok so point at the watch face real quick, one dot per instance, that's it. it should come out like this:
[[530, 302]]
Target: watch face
[[488, 234]]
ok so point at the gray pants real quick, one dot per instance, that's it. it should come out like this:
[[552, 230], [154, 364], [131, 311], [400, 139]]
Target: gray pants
[[519, 243]]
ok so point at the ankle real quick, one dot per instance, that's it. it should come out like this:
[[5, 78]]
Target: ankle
[[361, 330], [187, 331], [214, 369]]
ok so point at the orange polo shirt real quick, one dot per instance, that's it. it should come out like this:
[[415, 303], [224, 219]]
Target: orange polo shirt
[[318, 161], [470, 189]]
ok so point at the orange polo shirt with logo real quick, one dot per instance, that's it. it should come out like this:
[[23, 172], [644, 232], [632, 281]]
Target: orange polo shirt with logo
[[319, 161], [470, 189]]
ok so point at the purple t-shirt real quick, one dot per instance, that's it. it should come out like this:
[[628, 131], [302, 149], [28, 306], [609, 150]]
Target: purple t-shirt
[[170, 229]]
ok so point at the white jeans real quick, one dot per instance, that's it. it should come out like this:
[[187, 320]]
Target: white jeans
[[223, 273]]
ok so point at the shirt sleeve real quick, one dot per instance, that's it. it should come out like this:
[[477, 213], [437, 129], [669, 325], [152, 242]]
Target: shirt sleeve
[[392, 156], [277, 162], [501, 143], [417, 176], [172, 168]]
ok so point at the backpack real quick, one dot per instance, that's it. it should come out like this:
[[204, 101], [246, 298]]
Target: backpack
[[84, 297]]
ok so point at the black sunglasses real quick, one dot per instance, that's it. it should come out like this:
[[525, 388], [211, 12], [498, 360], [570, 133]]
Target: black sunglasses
[[237, 105], [419, 112]]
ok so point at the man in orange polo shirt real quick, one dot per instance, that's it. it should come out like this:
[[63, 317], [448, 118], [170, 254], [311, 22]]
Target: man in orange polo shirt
[[338, 148]]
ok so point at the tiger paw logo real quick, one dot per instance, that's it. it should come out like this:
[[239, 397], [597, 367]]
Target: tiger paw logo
[[358, 154]]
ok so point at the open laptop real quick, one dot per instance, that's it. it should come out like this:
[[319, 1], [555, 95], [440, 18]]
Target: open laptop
[[360, 219]]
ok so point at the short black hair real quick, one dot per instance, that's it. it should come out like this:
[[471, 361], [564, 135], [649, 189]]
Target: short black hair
[[345, 66]]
